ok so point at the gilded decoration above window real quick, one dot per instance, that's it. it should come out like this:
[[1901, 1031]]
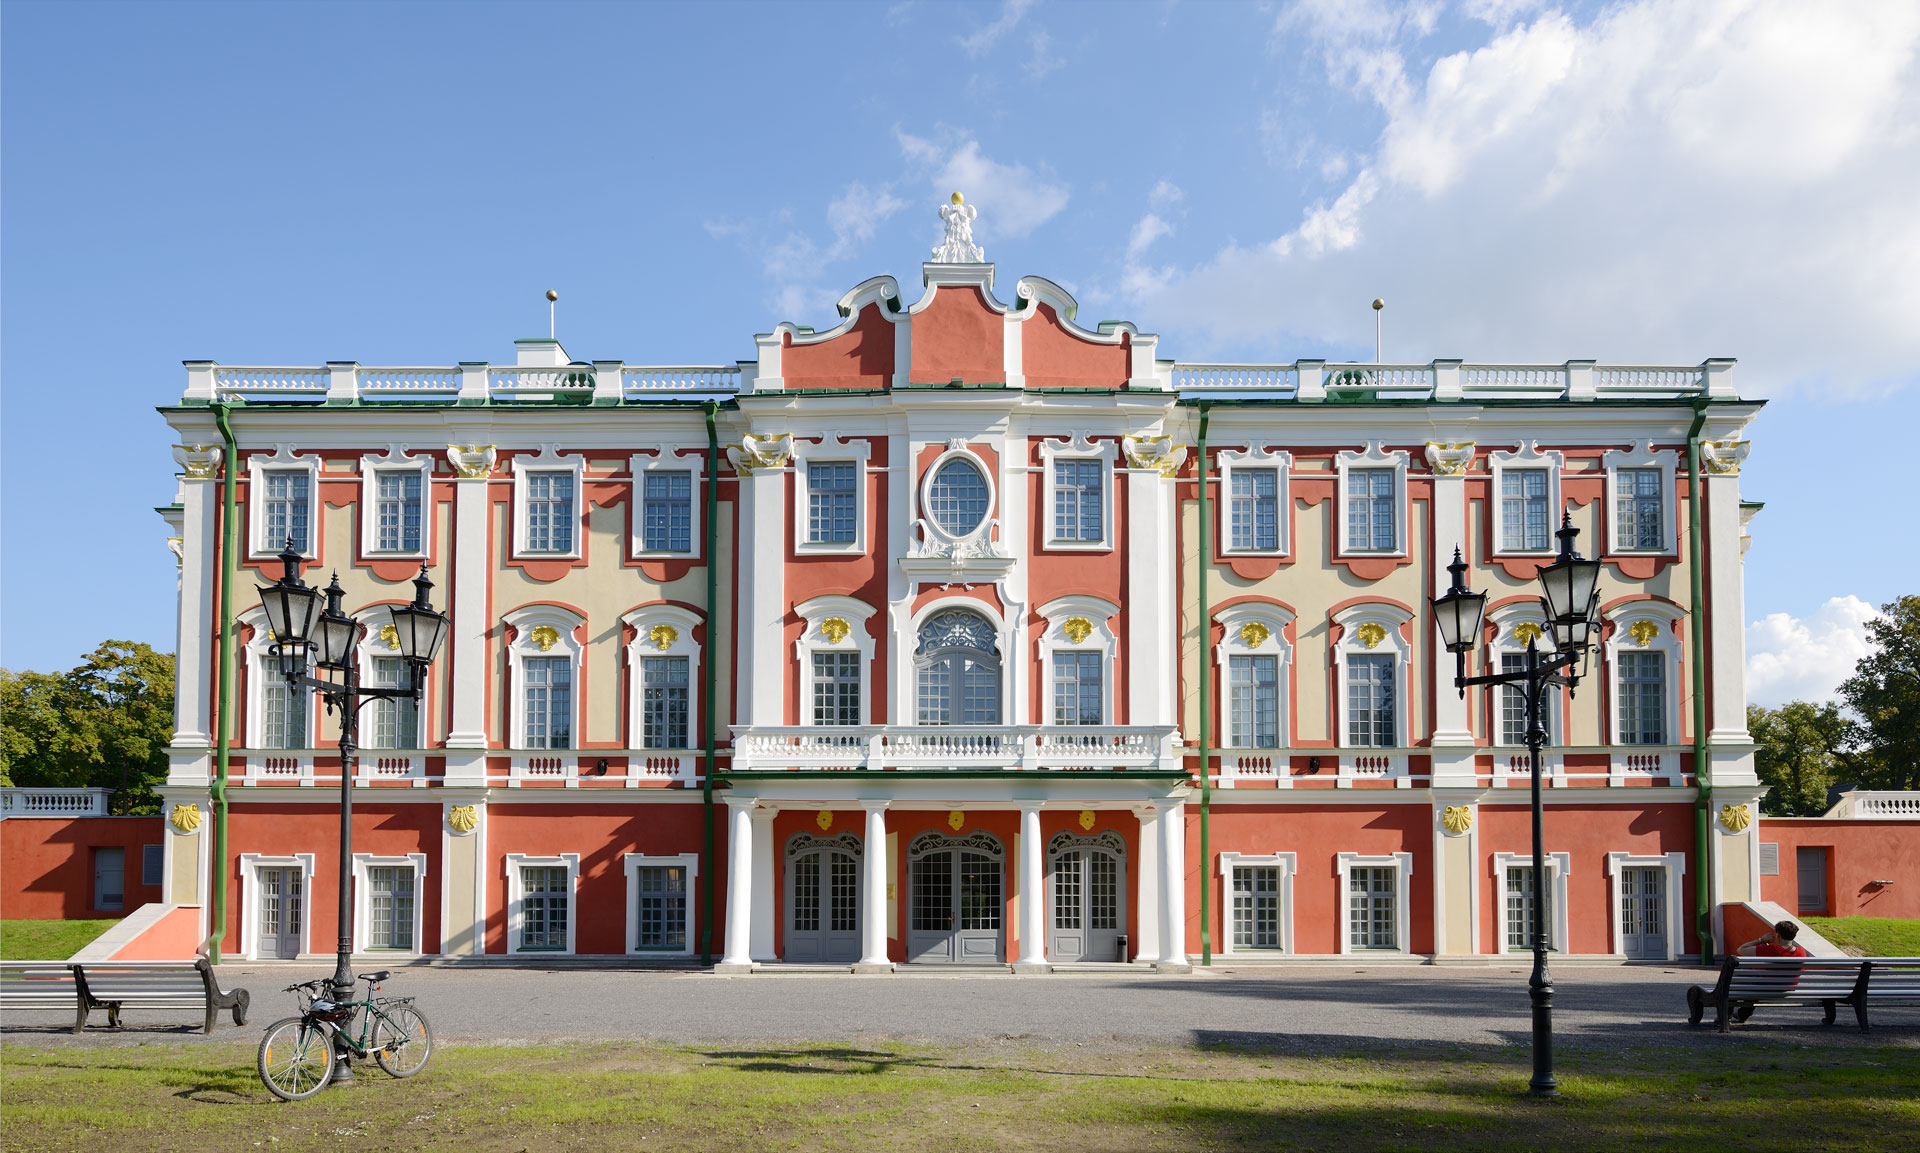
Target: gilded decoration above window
[[662, 636], [835, 630], [1371, 634], [1526, 632], [390, 636], [1077, 629], [544, 637], [1643, 632], [1253, 634]]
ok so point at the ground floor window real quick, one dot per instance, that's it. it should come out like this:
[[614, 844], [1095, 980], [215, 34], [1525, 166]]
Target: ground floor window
[[390, 907], [544, 911], [1372, 916], [1256, 907], [662, 909], [1521, 895]]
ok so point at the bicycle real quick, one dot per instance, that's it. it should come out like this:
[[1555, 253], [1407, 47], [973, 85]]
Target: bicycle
[[296, 1057]]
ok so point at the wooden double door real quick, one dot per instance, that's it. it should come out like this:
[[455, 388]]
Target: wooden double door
[[956, 903], [1086, 897], [823, 899]]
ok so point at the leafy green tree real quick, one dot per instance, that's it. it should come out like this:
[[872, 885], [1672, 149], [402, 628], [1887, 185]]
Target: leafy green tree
[[104, 724], [1800, 745], [1884, 694]]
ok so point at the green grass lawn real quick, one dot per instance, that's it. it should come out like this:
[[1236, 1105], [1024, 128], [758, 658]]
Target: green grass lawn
[[49, 940], [897, 1099], [1875, 936]]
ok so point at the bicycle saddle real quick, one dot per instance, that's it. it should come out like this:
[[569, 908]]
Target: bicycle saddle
[[376, 978]]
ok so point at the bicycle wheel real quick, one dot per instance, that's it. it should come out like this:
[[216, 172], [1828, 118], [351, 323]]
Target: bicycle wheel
[[295, 1059], [402, 1040]]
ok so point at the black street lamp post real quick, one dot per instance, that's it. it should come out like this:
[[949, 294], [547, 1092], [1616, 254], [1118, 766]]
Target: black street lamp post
[[302, 631], [1570, 591]]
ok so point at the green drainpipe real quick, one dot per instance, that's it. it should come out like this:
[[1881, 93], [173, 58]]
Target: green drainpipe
[[1206, 675], [713, 649], [223, 754], [1702, 773]]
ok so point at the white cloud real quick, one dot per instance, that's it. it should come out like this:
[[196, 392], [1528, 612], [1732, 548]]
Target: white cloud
[[1150, 229], [1806, 658], [1667, 181], [1042, 61], [1165, 195], [1012, 198], [857, 212], [1011, 13]]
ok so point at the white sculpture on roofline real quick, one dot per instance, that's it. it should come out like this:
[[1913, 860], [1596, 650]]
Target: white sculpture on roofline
[[958, 247]]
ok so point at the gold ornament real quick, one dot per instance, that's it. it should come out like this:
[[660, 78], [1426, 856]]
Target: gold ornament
[[197, 460], [463, 818], [662, 636], [1086, 820], [1643, 632], [1077, 629], [545, 637], [1253, 634], [1526, 632], [1449, 458], [390, 636], [835, 630], [955, 819], [1736, 818], [756, 452], [1723, 457], [824, 819], [1371, 634], [470, 461], [185, 818], [1155, 452], [959, 199], [1456, 819]]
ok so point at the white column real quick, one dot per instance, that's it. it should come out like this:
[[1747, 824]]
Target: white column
[[1451, 724], [765, 533], [739, 882], [760, 940], [1726, 613], [1173, 882], [467, 673], [1146, 920], [1151, 621], [1033, 903], [199, 616], [873, 903]]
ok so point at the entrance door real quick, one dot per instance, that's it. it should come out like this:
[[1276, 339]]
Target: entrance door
[[956, 901], [823, 899], [1643, 913], [1087, 876], [282, 912], [110, 878], [1812, 866]]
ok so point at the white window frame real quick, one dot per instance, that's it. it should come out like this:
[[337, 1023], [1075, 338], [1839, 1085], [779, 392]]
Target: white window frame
[[396, 460], [1642, 456], [376, 647], [1256, 457], [283, 460], [524, 621], [907, 671], [1288, 866], [1676, 866], [1101, 640], [816, 613], [1505, 620], [1234, 619], [667, 458], [250, 864], [643, 621], [830, 449], [632, 864], [1526, 457], [547, 460], [1559, 866], [930, 529], [1390, 618], [1402, 864], [516, 900], [262, 669], [363, 902], [1375, 456], [1666, 640], [1077, 449]]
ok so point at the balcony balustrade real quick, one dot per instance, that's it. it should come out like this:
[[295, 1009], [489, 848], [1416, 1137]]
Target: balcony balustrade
[[935, 747], [30, 802]]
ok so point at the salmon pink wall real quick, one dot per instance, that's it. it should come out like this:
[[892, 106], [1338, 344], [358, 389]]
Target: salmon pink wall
[[860, 358], [1858, 854], [379, 829], [1052, 357], [958, 336], [174, 937], [1586, 833], [48, 865]]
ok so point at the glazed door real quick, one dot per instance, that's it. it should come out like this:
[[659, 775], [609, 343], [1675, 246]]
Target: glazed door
[[823, 906], [282, 909], [1643, 913], [956, 900], [1086, 898], [980, 908]]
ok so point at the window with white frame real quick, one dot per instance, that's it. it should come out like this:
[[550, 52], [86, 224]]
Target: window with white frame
[[833, 656], [1521, 895], [1643, 652], [836, 688], [1640, 499], [1077, 493], [958, 496], [397, 507], [1514, 626], [388, 897], [1256, 907], [659, 916], [1253, 490], [1516, 893], [1372, 658], [832, 501], [540, 903], [1513, 705], [1643, 698], [547, 503], [543, 660], [957, 670], [395, 502], [1077, 688], [1252, 666], [661, 661], [1527, 493], [1373, 915], [280, 502], [1373, 488], [1077, 649], [547, 696], [666, 510], [830, 490], [280, 716], [663, 709], [287, 500], [1372, 701], [396, 722]]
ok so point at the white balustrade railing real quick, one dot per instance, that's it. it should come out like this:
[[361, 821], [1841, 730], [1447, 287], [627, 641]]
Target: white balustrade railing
[[1310, 381], [30, 802], [540, 383], [646, 380], [376, 384], [1862, 804], [544, 768], [1527, 380], [1515, 767], [1238, 769], [954, 747], [1280, 379], [1656, 381], [240, 382], [293, 767], [1388, 381], [375, 767], [656, 766], [1374, 765], [408, 381]]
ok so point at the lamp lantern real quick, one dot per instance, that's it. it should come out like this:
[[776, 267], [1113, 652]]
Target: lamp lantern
[[336, 635]]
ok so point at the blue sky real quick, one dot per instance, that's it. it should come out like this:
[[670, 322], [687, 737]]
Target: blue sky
[[398, 184]]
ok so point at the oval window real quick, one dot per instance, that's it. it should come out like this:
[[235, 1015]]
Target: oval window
[[957, 498]]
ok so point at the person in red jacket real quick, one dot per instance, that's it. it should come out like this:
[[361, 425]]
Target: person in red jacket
[[1778, 943]]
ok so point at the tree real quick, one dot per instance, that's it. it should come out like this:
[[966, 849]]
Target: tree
[[1798, 756], [1884, 694], [104, 724]]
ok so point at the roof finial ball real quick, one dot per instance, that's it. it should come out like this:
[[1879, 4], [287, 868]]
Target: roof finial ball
[[1379, 343], [551, 297], [959, 199]]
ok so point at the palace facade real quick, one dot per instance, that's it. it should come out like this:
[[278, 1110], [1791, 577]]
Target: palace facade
[[911, 641]]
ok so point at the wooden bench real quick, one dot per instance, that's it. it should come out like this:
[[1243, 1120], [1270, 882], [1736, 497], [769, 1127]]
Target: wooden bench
[[1829, 982], [120, 985], [38, 985]]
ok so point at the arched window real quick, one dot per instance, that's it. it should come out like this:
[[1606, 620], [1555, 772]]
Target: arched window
[[959, 670]]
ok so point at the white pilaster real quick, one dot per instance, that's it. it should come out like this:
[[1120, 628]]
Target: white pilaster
[[1033, 902], [198, 623], [1452, 725], [873, 905], [760, 940], [763, 528], [1146, 920], [467, 671], [1726, 618], [1151, 661], [1173, 881], [738, 950]]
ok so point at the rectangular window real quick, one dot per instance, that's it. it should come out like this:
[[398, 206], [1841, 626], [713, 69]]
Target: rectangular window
[[1370, 507], [283, 712], [1513, 704], [1370, 702], [286, 509], [1524, 516], [1370, 912], [153, 864], [664, 706], [550, 511], [1638, 509], [390, 907], [836, 688], [1255, 509], [543, 907], [1076, 688], [1253, 692], [1256, 907], [1077, 508], [662, 915], [832, 501], [396, 723], [667, 512], [549, 701], [1643, 699], [1520, 897], [397, 510]]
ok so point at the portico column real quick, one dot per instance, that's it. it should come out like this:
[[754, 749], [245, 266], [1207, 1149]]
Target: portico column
[[1146, 921], [760, 939], [1033, 904], [1173, 882], [739, 882], [873, 905]]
